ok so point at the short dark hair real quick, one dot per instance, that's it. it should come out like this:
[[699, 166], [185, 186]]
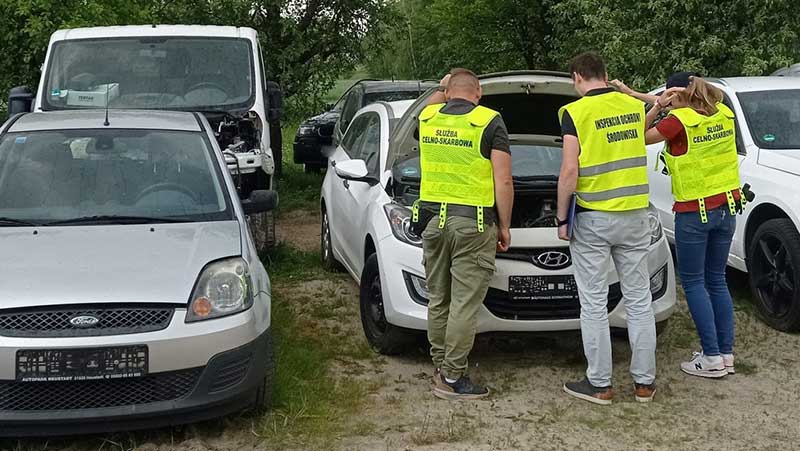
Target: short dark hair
[[462, 78], [588, 65]]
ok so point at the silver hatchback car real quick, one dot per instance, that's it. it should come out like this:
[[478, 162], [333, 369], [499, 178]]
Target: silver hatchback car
[[131, 294]]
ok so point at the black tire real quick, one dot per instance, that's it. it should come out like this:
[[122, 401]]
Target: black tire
[[329, 261], [773, 264], [385, 338], [262, 228], [263, 394]]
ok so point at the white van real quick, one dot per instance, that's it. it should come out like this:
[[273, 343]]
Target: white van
[[217, 71]]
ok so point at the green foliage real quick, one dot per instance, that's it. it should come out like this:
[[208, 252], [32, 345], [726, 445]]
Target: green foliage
[[642, 41], [307, 44]]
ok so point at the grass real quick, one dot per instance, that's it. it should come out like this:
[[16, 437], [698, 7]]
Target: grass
[[343, 84]]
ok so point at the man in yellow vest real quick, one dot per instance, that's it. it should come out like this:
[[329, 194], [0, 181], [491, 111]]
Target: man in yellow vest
[[605, 165], [466, 195]]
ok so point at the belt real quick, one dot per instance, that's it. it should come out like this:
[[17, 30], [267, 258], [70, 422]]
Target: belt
[[464, 211]]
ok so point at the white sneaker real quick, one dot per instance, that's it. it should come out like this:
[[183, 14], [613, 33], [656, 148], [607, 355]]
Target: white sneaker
[[705, 366], [728, 360]]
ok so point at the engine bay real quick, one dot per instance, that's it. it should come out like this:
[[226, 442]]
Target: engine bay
[[238, 134], [533, 211]]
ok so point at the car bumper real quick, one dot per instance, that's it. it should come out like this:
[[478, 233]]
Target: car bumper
[[190, 378], [309, 151], [402, 310]]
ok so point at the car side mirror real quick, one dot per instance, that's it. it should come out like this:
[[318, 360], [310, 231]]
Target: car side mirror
[[274, 102], [260, 201], [353, 170], [20, 100]]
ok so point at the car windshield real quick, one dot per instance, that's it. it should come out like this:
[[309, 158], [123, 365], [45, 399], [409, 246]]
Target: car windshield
[[773, 117], [49, 176], [197, 74], [530, 163]]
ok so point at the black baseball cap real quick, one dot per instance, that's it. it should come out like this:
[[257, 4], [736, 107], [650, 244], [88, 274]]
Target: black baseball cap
[[681, 79]]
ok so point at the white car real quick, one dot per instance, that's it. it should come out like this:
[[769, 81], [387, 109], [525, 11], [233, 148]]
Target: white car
[[366, 214], [766, 243]]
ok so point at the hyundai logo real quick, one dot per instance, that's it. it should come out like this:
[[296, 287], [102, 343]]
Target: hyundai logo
[[84, 321], [552, 259]]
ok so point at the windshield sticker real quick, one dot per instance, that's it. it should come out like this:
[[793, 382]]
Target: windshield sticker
[[55, 93], [20, 140], [768, 137], [409, 171]]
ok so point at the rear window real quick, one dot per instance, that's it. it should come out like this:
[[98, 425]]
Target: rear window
[[529, 114]]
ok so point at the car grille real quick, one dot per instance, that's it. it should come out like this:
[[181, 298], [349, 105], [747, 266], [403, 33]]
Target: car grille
[[230, 375], [502, 306], [55, 322], [40, 396]]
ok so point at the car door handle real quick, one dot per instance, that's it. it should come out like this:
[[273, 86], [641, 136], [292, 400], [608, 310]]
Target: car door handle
[[346, 184]]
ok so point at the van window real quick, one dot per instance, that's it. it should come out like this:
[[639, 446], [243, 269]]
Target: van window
[[197, 74]]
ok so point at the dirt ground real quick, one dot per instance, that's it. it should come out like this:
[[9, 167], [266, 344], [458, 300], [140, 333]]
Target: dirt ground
[[757, 409]]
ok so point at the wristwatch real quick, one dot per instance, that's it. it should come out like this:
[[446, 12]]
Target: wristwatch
[[560, 223]]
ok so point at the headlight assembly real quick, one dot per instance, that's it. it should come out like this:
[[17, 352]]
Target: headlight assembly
[[223, 288], [306, 130], [656, 231], [400, 222]]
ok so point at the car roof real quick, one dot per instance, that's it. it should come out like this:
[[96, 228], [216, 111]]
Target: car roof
[[118, 119], [371, 86], [400, 107], [745, 84], [128, 31]]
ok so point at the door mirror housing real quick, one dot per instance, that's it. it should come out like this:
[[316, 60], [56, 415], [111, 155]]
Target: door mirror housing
[[274, 102], [354, 171], [20, 100], [260, 201]]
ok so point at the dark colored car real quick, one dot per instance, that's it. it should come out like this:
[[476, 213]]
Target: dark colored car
[[323, 130]]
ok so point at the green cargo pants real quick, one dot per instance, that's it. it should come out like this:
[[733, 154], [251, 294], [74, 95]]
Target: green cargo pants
[[459, 264]]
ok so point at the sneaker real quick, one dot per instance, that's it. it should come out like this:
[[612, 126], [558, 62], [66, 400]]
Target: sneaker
[[644, 393], [462, 389], [727, 359], [702, 365], [588, 392]]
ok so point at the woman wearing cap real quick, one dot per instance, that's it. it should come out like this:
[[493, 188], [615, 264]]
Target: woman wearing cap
[[700, 154]]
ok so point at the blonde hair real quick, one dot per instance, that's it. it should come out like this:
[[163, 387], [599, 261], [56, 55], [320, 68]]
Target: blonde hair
[[701, 96]]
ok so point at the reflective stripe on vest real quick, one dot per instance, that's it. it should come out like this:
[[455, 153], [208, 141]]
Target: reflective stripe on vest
[[710, 165], [613, 161], [453, 169]]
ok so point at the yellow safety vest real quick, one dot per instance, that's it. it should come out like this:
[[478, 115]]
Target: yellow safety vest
[[453, 169], [711, 165], [613, 159]]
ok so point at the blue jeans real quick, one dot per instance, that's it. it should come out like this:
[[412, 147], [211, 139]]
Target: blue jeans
[[702, 256]]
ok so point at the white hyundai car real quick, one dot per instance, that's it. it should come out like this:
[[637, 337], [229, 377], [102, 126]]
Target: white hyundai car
[[366, 214], [767, 242]]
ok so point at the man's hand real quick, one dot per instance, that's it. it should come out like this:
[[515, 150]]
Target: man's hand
[[445, 80], [503, 239], [622, 87], [562, 233]]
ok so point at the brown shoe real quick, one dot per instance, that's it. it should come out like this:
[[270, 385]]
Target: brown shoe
[[644, 393], [586, 391], [436, 372]]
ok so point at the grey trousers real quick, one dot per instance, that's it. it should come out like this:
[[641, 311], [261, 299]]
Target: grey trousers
[[621, 238]]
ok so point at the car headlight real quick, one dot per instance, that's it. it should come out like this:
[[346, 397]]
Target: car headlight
[[417, 288], [656, 231], [400, 222], [306, 130], [223, 288]]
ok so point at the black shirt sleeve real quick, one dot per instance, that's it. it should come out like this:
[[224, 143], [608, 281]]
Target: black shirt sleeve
[[567, 125], [495, 137]]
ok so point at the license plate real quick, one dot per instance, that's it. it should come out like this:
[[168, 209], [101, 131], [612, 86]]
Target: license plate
[[542, 288], [40, 365]]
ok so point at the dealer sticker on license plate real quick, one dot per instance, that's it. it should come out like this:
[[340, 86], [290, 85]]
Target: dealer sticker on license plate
[[41, 365], [542, 288]]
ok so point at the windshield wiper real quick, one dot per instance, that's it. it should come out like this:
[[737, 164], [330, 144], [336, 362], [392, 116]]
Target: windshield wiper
[[17, 222], [115, 219]]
